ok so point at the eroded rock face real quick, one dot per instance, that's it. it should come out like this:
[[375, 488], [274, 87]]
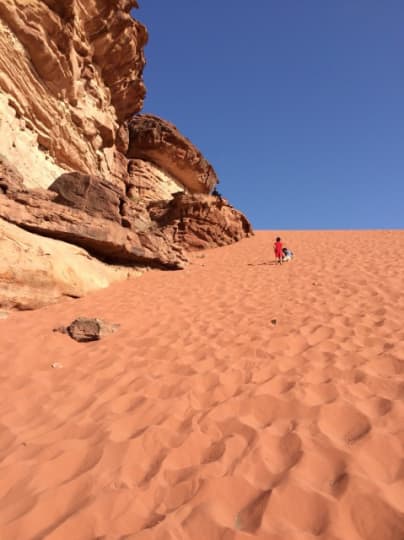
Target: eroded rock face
[[92, 194], [147, 182], [37, 211], [36, 271], [197, 221], [70, 75], [159, 142], [10, 178], [77, 170]]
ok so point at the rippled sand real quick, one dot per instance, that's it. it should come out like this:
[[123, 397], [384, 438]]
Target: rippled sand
[[238, 400]]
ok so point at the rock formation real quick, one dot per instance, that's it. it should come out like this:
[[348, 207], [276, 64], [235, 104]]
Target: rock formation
[[70, 75], [38, 211], [153, 139], [78, 164], [197, 221], [91, 194], [35, 270], [146, 182]]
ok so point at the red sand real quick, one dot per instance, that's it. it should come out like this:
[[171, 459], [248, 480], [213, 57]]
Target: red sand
[[199, 418]]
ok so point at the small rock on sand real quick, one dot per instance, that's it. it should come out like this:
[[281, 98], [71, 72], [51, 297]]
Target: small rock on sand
[[85, 329]]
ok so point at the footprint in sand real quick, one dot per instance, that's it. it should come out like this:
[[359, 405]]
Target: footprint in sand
[[319, 334], [214, 452], [279, 453], [179, 494], [249, 519], [292, 507], [319, 394], [385, 364], [261, 410], [374, 519], [324, 468], [381, 457], [375, 406], [343, 423]]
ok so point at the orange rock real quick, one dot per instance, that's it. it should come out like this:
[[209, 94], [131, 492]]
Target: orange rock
[[74, 77], [158, 141]]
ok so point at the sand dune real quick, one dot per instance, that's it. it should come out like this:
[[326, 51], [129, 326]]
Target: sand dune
[[202, 419]]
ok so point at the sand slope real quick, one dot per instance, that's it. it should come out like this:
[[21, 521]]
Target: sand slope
[[199, 418]]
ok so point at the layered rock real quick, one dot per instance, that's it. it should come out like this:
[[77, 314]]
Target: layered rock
[[91, 213], [36, 271], [158, 141], [38, 211], [197, 221], [146, 182], [78, 169], [70, 75], [92, 194]]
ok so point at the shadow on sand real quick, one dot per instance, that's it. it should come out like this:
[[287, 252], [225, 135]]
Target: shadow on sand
[[267, 263]]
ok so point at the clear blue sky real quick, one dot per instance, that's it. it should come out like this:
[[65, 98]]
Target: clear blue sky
[[298, 104]]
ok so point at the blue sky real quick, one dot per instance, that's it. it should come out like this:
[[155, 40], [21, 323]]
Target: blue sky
[[298, 104]]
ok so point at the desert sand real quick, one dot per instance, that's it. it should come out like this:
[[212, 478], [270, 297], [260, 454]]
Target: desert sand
[[238, 400]]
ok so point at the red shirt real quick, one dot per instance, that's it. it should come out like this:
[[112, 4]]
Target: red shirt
[[278, 249]]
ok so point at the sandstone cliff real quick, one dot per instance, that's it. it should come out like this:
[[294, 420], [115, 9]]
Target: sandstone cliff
[[70, 75], [79, 165]]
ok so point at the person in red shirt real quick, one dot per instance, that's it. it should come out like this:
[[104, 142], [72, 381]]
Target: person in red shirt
[[278, 250]]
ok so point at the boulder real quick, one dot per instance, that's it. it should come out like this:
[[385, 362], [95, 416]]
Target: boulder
[[91, 194], [84, 329], [159, 142]]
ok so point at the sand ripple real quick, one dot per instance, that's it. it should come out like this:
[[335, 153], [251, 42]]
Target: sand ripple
[[202, 419]]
